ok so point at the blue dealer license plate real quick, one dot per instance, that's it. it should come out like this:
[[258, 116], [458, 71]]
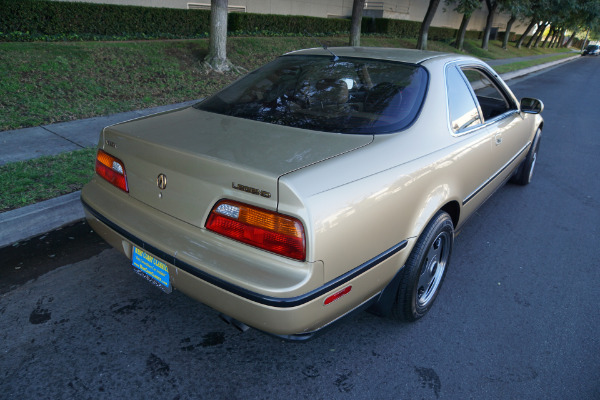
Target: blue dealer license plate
[[151, 268]]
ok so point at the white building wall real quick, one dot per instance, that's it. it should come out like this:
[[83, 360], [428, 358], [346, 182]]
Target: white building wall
[[412, 10]]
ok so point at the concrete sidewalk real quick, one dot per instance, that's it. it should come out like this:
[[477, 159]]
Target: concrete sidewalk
[[29, 143], [25, 144]]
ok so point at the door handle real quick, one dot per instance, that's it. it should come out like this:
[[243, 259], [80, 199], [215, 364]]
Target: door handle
[[498, 139]]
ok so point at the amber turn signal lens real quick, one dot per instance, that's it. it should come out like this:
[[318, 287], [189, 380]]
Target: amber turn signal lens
[[112, 169], [258, 227]]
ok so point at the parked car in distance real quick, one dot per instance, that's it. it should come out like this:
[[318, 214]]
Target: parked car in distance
[[591, 50], [325, 182]]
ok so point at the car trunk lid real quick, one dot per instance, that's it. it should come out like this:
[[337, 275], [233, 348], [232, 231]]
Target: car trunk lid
[[206, 157]]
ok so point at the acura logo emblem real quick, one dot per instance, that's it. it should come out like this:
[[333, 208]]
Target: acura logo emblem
[[161, 181]]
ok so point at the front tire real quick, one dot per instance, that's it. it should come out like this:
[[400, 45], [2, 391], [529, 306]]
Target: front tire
[[425, 269]]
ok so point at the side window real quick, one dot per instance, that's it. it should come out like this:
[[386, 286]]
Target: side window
[[463, 110], [491, 99]]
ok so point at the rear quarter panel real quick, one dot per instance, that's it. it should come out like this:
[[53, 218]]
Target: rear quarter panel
[[360, 204], [353, 222]]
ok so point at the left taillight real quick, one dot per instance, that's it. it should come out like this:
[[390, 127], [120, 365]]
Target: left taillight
[[268, 230], [112, 169]]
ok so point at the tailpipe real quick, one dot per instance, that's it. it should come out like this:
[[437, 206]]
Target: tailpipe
[[242, 327]]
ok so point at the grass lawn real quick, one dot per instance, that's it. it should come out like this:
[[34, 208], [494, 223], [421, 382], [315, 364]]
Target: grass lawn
[[45, 178], [43, 83], [501, 69]]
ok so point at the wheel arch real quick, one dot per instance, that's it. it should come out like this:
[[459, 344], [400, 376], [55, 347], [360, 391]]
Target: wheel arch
[[539, 128], [437, 200], [384, 303], [452, 208]]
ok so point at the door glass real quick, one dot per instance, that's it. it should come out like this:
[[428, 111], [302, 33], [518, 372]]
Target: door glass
[[463, 110], [491, 100]]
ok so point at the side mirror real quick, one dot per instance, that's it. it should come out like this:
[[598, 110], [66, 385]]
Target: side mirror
[[531, 106]]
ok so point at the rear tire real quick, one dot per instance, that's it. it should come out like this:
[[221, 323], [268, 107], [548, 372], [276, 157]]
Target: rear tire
[[524, 173], [425, 269]]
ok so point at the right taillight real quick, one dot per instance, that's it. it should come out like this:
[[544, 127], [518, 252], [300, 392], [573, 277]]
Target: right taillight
[[112, 169], [268, 230]]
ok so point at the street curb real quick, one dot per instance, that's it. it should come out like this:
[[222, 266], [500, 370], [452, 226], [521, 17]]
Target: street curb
[[36, 219], [33, 220]]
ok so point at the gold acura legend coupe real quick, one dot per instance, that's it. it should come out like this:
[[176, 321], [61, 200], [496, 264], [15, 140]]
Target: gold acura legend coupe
[[324, 182]]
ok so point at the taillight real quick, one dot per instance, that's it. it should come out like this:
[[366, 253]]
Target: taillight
[[257, 227], [112, 169]]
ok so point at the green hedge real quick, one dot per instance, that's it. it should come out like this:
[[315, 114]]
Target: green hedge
[[246, 22], [22, 20], [473, 34], [511, 38], [391, 27], [410, 29], [37, 18], [406, 29], [57, 18]]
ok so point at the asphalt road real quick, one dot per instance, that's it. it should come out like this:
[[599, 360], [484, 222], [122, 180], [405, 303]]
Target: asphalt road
[[518, 315]]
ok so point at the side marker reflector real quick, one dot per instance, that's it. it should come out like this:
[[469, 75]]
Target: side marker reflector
[[337, 295]]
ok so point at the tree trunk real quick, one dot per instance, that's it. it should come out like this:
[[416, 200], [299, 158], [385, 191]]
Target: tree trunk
[[509, 25], [561, 38], [571, 38], [492, 5], [537, 41], [422, 41], [532, 38], [555, 38], [524, 35], [550, 34], [357, 11], [537, 33], [217, 42], [460, 35]]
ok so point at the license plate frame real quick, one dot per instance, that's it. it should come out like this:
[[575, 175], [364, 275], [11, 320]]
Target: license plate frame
[[151, 268]]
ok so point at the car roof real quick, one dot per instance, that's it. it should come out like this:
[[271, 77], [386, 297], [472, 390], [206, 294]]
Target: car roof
[[379, 53]]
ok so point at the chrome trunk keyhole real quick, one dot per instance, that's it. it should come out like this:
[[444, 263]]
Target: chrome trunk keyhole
[[161, 181]]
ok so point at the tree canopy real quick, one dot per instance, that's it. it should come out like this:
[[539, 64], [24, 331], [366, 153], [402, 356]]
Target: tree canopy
[[553, 18]]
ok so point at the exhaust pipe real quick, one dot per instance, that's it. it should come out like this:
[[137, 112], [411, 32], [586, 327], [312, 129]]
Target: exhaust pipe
[[232, 321]]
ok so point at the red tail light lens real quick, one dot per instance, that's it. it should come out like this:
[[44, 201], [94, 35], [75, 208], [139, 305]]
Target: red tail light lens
[[112, 169], [257, 227]]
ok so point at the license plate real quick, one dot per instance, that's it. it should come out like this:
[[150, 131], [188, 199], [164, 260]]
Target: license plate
[[151, 268]]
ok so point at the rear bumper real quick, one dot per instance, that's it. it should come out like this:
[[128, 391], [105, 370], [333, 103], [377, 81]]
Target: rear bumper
[[295, 309]]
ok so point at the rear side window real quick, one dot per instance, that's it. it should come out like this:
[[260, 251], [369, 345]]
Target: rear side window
[[492, 101], [350, 95], [463, 109]]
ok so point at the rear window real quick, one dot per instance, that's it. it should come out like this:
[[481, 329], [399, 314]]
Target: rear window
[[350, 95]]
